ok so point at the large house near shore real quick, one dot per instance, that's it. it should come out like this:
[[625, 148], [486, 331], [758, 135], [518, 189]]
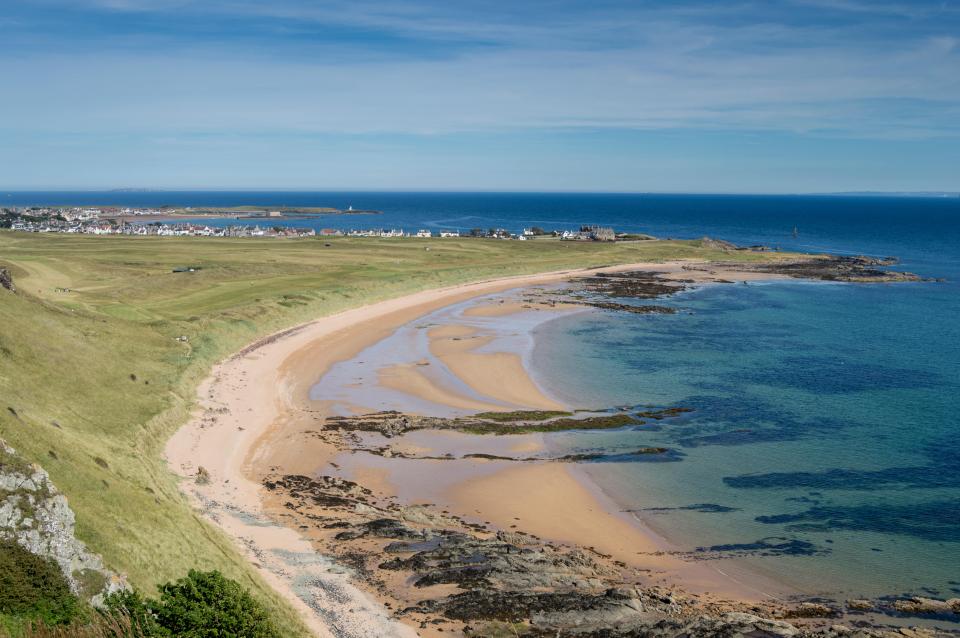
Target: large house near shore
[[590, 233]]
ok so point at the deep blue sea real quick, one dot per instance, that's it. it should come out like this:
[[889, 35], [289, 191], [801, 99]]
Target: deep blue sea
[[824, 448]]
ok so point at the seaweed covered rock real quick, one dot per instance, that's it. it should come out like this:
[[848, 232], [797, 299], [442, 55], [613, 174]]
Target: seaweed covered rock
[[468, 561], [858, 269], [919, 605], [326, 491]]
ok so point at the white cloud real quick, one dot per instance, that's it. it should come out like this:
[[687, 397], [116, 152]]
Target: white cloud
[[665, 68]]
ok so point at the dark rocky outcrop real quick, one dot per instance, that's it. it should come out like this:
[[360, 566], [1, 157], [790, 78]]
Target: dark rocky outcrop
[[613, 290], [920, 606], [325, 491], [479, 584], [6, 281], [858, 269], [637, 310], [388, 423], [391, 424], [382, 528], [811, 610], [506, 562], [35, 515], [639, 284]]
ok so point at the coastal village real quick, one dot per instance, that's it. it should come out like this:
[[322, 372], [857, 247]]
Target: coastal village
[[113, 221]]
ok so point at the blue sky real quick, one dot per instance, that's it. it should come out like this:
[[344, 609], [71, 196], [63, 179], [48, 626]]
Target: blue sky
[[684, 96]]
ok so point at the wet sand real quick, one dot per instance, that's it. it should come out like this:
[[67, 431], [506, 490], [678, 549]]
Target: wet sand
[[495, 374], [255, 406]]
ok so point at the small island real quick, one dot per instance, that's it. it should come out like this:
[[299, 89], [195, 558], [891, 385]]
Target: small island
[[240, 212]]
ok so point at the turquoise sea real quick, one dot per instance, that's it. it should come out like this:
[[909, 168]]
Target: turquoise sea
[[824, 449], [824, 445]]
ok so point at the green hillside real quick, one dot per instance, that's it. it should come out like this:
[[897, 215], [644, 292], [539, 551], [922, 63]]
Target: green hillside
[[93, 377]]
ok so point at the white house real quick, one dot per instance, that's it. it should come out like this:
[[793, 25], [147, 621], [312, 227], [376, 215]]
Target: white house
[[424, 233]]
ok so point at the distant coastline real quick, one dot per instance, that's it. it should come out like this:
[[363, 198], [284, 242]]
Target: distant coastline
[[921, 194]]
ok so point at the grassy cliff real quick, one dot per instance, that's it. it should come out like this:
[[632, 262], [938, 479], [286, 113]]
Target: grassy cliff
[[103, 345]]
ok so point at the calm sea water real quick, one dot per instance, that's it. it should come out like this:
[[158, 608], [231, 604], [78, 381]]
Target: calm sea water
[[825, 445]]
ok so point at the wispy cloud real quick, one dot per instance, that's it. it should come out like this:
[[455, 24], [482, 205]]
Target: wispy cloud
[[903, 9], [175, 69]]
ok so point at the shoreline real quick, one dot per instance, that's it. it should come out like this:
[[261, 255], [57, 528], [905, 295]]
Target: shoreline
[[272, 432], [261, 389]]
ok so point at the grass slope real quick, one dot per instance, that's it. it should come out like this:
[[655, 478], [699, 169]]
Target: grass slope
[[94, 380]]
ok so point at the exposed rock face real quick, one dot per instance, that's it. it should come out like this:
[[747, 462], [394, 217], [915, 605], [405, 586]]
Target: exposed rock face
[[6, 281], [391, 424], [35, 515], [637, 310], [638, 284], [474, 562], [811, 610], [438, 570], [607, 290], [920, 606], [325, 491], [836, 268]]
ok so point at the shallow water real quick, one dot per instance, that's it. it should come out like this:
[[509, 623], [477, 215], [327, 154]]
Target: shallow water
[[347, 384], [825, 433], [823, 447]]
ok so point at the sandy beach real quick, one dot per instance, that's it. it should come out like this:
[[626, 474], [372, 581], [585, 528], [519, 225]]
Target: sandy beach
[[256, 417]]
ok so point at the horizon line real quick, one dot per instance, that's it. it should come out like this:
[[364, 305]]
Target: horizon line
[[134, 190]]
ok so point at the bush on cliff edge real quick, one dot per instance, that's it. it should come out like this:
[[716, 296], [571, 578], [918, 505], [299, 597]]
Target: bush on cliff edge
[[33, 587], [200, 605]]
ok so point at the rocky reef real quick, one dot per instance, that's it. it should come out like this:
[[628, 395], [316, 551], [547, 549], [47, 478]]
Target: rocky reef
[[37, 517], [620, 290], [639, 284], [451, 576], [442, 573], [448, 575], [390, 423], [852, 269], [610, 290]]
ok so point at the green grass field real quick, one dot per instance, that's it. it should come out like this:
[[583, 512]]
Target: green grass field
[[93, 379]]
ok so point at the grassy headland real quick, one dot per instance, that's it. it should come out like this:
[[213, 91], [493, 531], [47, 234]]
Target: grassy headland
[[103, 345]]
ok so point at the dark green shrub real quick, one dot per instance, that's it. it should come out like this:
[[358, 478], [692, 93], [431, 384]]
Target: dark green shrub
[[33, 587], [208, 605], [35, 600], [132, 610], [97, 626]]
